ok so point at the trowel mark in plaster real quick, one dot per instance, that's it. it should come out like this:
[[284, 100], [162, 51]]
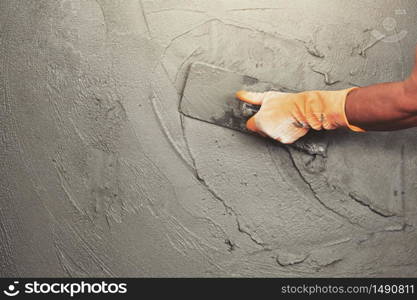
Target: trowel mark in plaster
[[175, 10], [162, 214], [66, 261], [326, 76], [316, 196], [168, 135], [365, 48], [145, 19], [148, 197], [171, 42], [181, 238], [228, 209], [70, 266], [180, 69], [315, 259], [366, 202], [60, 170], [193, 241], [285, 259], [105, 186], [378, 38], [312, 49], [82, 246], [192, 169], [311, 46], [276, 36], [310, 188], [397, 224], [178, 243]]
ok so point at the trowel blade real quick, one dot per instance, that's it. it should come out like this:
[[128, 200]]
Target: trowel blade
[[209, 96]]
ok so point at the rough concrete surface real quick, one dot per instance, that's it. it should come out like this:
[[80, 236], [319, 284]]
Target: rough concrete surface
[[102, 176]]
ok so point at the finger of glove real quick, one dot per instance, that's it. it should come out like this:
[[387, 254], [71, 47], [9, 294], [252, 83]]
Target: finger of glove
[[300, 118], [251, 125], [327, 124], [291, 136], [314, 114], [250, 97]]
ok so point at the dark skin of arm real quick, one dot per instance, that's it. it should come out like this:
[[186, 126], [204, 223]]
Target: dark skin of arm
[[385, 106]]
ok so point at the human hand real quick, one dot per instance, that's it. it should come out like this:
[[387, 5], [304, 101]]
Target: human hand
[[286, 117]]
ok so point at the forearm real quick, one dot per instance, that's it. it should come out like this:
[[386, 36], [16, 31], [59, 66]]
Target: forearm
[[286, 117], [386, 106]]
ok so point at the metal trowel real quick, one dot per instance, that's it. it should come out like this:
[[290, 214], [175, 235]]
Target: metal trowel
[[209, 96]]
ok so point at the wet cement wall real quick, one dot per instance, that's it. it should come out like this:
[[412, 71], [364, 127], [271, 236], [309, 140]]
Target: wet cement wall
[[101, 176]]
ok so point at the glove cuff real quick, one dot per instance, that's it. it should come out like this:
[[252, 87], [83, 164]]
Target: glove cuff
[[346, 121]]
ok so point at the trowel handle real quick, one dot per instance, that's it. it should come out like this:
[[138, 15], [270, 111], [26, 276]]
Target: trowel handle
[[248, 110]]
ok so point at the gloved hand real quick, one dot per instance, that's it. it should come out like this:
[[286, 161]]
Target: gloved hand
[[286, 117]]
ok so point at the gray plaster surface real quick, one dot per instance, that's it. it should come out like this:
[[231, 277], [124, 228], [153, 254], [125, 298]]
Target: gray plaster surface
[[102, 176]]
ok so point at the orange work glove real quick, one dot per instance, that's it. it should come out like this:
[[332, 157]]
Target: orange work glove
[[286, 117]]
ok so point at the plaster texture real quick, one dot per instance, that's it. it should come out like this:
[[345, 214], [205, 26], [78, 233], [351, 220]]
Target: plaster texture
[[102, 176]]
